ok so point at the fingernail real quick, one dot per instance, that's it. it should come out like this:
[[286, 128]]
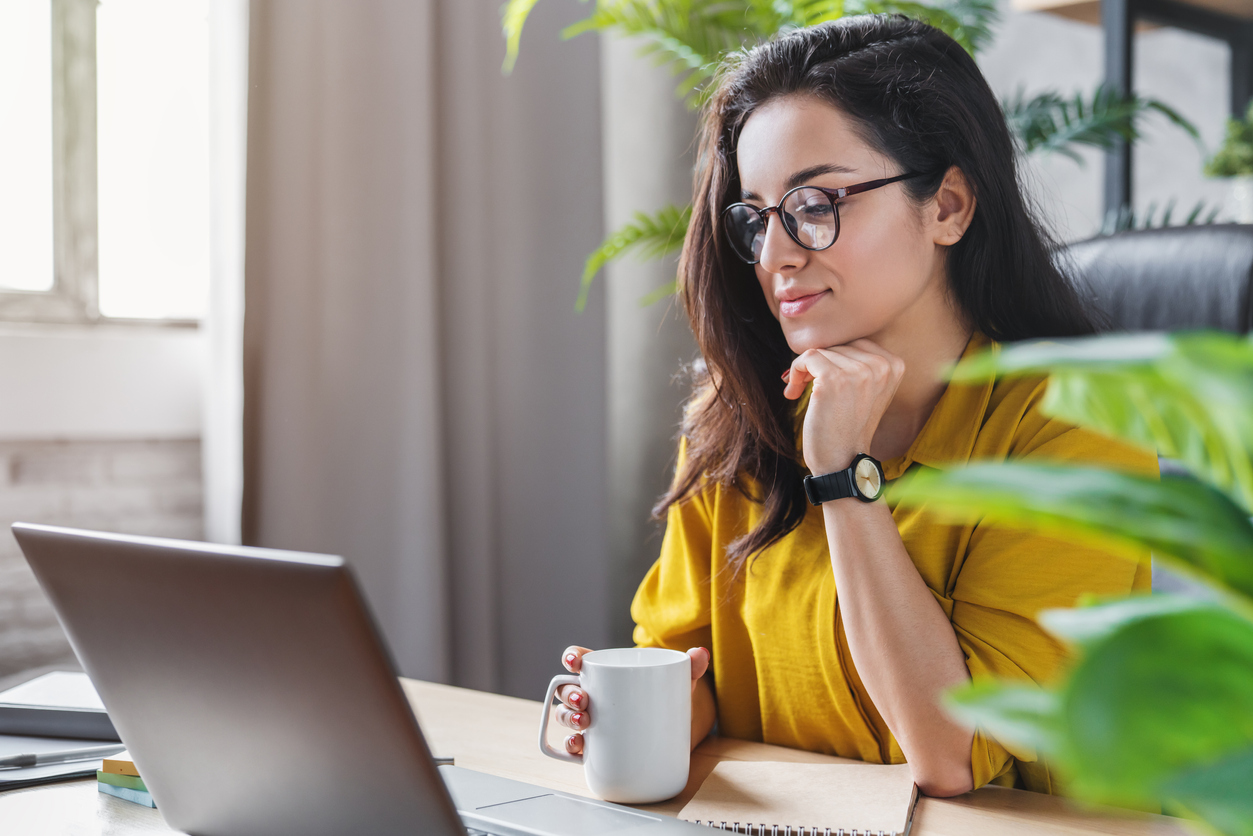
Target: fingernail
[[570, 657], [786, 375], [574, 699], [577, 719], [570, 742]]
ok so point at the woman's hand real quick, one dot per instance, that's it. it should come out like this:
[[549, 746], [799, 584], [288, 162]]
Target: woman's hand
[[575, 712], [853, 385]]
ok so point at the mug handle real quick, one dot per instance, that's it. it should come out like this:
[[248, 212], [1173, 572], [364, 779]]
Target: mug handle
[[563, 755]]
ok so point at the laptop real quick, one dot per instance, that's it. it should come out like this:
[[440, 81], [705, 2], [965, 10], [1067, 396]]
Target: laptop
[[256, 695]]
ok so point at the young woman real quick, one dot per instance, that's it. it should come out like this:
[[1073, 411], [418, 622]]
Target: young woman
[[858, 226]]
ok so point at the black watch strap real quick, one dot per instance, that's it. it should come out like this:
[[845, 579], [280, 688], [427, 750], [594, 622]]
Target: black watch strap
[[842, 483], [838, 485]]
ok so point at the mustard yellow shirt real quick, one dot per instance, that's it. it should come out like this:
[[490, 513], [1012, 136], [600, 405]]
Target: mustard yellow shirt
[[782, 668]]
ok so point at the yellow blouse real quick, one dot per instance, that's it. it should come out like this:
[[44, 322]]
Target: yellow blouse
[[782, 668]]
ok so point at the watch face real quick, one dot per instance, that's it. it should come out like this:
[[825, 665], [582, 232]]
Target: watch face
[[868, 480]]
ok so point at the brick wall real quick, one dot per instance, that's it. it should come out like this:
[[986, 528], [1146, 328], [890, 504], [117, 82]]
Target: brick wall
[[134, 487]]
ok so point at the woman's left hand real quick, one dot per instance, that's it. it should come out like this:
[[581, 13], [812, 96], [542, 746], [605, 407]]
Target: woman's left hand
[[853, 385]]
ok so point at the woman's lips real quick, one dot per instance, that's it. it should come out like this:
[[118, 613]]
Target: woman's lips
[[796, 307]]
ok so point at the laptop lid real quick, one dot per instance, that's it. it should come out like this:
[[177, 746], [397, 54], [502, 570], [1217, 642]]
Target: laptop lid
[[251, 685]]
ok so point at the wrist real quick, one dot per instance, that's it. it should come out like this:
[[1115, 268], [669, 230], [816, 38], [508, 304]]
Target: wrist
[[862, 479]]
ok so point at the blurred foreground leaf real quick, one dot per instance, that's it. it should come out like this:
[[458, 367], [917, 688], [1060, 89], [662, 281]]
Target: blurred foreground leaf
[[1190, 523], [1187, 395], [1158, 710]]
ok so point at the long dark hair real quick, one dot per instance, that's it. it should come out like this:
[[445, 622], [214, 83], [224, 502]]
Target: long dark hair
[[918, 98]]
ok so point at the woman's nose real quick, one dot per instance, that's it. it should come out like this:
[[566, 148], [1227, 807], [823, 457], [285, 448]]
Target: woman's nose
[[778, 251]]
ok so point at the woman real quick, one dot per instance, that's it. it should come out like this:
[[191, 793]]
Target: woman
[[904, 245]]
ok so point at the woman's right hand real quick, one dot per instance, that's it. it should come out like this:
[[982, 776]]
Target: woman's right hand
[[575, 712]]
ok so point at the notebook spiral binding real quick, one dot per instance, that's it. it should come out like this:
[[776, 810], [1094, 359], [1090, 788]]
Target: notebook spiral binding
[[788, 830]]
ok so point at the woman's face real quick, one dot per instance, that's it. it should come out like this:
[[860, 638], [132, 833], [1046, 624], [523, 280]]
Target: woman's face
[[885, 260]]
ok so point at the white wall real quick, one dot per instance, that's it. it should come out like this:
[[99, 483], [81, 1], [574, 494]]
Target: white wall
[[100, 382]]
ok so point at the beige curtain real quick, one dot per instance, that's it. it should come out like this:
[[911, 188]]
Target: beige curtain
[[420, 395]]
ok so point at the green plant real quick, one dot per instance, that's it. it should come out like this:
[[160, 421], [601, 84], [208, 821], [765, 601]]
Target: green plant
[[1051, 123], [1125, 218], [1158, 709], [1235, 156], [692, 37]]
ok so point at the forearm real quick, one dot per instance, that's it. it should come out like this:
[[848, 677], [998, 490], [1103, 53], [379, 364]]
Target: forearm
[[704, 710], [902, 643]]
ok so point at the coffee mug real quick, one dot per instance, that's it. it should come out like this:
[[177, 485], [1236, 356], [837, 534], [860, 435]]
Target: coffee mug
[[638, 746]]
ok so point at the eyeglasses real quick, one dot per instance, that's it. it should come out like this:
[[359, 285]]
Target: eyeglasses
[[810, 215]]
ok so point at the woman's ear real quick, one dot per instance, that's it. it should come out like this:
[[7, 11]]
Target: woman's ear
[[954, 205]]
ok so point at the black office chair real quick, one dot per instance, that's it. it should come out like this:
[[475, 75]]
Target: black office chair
[[1167, 280], [1170, 279]]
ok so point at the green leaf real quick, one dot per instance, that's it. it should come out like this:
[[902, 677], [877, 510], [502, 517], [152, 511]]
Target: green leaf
[[1085, 625], [1235, 156], [1049, 122], [651, 236], [654, 296], [1187, 395], [1182, 520], [513, 15], [1162, 696], [1158, 710], [1020, 715], [690, 36], [1220, 793], [967, 22]]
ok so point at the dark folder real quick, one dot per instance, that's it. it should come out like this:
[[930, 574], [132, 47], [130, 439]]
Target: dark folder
[[57, 704]]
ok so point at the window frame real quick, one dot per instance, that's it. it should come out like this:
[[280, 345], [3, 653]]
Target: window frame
[[74, 298]]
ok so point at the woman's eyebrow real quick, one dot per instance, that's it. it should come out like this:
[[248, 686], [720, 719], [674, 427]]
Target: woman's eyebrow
[[803, 175]]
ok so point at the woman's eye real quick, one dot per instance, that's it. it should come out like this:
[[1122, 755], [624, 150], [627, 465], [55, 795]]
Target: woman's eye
[[816, 210]]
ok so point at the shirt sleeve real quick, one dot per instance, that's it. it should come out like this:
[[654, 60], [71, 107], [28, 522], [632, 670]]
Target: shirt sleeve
[[672, 607], [1010, 575]]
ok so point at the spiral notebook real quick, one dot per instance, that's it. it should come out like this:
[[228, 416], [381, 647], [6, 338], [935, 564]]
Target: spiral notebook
[[810, 799]]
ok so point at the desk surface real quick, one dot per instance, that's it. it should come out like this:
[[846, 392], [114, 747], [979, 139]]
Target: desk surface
[[495, 734]]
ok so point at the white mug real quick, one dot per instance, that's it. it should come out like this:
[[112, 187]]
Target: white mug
[[638, 747]]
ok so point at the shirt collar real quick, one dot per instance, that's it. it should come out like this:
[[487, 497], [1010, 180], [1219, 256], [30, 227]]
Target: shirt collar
[[948, 437]]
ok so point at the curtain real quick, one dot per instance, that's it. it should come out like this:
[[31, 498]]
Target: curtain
[[419, 394]]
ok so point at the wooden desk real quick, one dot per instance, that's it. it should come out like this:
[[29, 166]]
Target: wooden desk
[[496, 734]]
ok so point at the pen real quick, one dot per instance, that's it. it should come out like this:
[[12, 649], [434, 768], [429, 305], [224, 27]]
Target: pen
[[64, 756]]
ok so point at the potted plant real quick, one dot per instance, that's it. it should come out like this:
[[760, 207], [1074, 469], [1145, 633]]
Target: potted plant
[[1158, 708], [1234, 160]]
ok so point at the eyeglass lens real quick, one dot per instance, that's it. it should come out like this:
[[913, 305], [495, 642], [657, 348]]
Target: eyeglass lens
[[808, 214]]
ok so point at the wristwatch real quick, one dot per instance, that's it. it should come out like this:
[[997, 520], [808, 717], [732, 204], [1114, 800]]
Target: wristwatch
[[862, 479]]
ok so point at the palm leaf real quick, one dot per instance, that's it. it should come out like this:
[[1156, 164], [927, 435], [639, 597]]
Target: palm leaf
[[650, 236], [690, 36], [1125, 218], [968, 22], [1187, 395], [513, 15], [1049, 122]]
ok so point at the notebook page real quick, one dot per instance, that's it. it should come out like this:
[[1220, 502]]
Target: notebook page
[[861, 797]]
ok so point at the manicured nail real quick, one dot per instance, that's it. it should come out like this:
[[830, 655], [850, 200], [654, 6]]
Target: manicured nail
[[576, 719], [570, 743], [787, 374], [574, 699], [570, 657]]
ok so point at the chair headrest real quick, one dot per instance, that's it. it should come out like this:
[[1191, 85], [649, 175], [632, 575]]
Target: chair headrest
[[1169, 279]]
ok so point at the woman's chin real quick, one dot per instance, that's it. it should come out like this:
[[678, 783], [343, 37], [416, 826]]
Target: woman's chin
[[801, 340]]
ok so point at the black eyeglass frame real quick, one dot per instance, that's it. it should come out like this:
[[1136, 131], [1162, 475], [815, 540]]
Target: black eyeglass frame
[[832, 194]]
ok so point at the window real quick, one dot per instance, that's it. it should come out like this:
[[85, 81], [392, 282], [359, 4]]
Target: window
[[104, 185]]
